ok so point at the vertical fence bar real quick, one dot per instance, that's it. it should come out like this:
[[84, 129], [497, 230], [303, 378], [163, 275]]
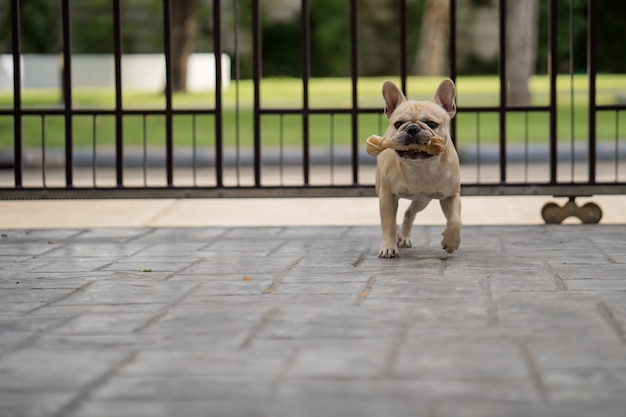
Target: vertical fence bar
[[194, 151], [144, 130], [237, 95], [592, 71], [43, 151], [17, 93], [332, 148], [503, 90], [478, 159], [403, 48], [219, 120], [526, 146], [354, 75], [169, 140], [452, 58], [256, 80], [94, 155], [281, 143], [306, 73], [67, 94], [616, 149], [237, 78], [572, 110], [452, 41], [117, 55], [552, 73]]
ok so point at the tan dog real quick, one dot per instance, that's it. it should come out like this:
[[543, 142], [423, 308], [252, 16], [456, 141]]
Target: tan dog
[[418, 176]]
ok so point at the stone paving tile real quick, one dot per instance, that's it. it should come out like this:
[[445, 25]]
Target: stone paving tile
[[33, 404], [299, 321], [53, 371]]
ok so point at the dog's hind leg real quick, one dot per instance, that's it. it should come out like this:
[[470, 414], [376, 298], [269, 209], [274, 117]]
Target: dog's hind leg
[[404, 234]]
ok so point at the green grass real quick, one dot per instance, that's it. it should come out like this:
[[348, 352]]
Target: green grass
[[324, 129]]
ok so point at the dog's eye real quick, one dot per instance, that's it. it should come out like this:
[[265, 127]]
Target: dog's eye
[[431, 124], [397, 125]]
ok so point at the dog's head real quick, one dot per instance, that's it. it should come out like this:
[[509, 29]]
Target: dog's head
[[415, 122]]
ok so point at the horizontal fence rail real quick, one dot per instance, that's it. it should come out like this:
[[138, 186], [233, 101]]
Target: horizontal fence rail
[[253, 137]]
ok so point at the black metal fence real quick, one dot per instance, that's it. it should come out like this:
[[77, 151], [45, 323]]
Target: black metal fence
[[220, 158]]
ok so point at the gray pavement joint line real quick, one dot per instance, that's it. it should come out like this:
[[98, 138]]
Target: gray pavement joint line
[[62, 297], [272, 287], [266, 318], [558, 281], [103, 267], [165, 310], [607, 315], [27, 342], [534, 374], [362, 257], [54, 245], [443, 265], [365, 291], [183, 269], [276, 249], [604, 255], [215, 239], [399, 341], [427, 231], [108, 264], [84, 393], [501, 245], [345, 232], [147, 231], [281, 230], [492, 308], [282, 373]]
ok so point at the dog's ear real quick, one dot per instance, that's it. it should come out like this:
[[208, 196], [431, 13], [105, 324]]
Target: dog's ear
[[444, 96], [393, 97]]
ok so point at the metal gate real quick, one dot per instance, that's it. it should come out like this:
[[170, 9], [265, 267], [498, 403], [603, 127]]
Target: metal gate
[[223, 158]]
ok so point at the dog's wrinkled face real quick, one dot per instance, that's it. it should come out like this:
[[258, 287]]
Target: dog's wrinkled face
[[416, 122]]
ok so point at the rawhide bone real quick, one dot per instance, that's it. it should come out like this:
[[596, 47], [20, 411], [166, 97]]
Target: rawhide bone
[[376, 144]]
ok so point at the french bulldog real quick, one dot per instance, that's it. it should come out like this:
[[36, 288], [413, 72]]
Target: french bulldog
[[415, 175]]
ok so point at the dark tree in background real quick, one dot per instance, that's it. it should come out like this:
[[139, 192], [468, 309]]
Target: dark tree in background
[[183, 32], [432, 53], [521, 51], [39, 24]]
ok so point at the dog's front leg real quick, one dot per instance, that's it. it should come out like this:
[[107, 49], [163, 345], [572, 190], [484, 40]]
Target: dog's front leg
[[388, 211], [451, 207]]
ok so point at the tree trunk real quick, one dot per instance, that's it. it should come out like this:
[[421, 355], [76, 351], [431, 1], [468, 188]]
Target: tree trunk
[[521, 53], [432, 55], [183, 40]]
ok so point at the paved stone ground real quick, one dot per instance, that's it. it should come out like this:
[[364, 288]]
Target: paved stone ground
[[307, 321]]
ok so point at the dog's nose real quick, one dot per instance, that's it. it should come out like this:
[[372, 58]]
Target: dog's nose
[[412, 130]]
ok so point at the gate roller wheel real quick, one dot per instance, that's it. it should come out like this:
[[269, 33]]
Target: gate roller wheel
[[552, 213], [590, 213]]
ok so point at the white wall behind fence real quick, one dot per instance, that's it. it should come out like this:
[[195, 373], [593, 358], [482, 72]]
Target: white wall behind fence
[[139, 71]]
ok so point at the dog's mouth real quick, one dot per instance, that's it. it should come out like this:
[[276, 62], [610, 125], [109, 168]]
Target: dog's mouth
[[414, 155]]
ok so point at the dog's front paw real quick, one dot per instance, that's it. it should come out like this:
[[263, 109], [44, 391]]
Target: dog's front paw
[[451, 239], [405, 242], [388, 251]]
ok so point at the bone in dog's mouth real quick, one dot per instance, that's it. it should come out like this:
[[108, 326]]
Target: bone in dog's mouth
[[414, 154]]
